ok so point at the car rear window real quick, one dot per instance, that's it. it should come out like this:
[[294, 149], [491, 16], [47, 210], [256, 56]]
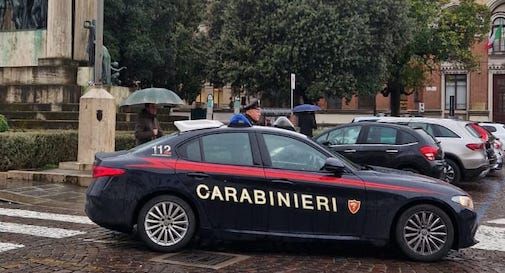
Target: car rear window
[[491, 129]]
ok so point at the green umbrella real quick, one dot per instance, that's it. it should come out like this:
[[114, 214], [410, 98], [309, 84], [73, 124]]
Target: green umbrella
[[153, 95]]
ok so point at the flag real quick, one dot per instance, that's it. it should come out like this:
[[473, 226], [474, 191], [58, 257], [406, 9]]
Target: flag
[[495, 36]]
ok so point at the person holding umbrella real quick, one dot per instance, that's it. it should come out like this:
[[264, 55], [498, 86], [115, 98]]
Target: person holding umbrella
[[306, 118], [148, 126]]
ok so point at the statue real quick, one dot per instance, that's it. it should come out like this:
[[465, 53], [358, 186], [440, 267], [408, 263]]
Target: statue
[[106, 72], [115, 76], [39, 13], [19, 13], [3, 9], [90, 47]]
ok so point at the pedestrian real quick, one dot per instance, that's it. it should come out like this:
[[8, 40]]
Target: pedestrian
[[307, 123], [148, 126], [252, 111]]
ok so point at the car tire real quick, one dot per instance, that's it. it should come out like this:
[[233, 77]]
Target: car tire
[[453, 172], [425, 239], [166, 223]]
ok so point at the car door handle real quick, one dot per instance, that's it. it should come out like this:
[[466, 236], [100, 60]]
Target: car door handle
[[349, 151], [283, 181], [391, 151], [198, 175]]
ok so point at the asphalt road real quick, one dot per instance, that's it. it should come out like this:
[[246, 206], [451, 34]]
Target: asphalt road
[[48, 232]]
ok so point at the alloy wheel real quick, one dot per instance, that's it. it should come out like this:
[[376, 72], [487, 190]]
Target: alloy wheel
[[425, 233], [166, 223]]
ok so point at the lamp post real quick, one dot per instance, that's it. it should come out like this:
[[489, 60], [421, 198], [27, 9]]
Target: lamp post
[[99, 42]]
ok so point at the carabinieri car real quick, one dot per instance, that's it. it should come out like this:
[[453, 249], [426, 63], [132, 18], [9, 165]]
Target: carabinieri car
[[241, 181]]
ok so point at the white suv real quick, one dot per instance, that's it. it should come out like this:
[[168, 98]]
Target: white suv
[[465, 152]]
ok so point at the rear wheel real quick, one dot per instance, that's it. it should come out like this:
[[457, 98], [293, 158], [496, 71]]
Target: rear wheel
[[166, 223], [424, 233], [452, 172]]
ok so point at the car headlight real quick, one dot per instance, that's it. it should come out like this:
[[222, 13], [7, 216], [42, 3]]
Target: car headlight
[[465, 201]]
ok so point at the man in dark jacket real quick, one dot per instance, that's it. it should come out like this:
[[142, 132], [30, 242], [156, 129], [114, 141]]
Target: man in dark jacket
[[147, 127], [252, 111], [307, 122]]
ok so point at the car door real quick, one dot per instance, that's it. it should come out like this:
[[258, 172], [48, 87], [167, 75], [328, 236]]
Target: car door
[[380, 146], [344, 141], [305, 199], [223, 171]]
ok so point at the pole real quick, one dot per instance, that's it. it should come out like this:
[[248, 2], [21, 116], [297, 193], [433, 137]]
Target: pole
[[293, 85], [99, 41]]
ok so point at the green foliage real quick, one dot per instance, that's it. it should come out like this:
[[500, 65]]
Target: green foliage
[[159, 41], [4, 126], [40, 149], [440, 32], [336, 48]]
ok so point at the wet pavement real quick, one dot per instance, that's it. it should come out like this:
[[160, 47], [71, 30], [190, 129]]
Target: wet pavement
[[93, 249]]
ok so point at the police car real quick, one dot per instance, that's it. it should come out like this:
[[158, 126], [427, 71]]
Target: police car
[[243, 181]]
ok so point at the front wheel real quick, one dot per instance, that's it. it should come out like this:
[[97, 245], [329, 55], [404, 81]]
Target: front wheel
[[166, 223], [424, 233]]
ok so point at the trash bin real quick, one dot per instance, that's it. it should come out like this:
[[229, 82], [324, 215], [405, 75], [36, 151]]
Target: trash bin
[[198, 113]]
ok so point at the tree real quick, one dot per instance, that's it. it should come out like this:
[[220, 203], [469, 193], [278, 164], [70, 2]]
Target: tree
[[159, 41], [336, 48], [441, 32]]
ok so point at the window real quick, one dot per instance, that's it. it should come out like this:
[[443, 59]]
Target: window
[[228, 148], [292, 154], [426, 127], [498, 42], [441, 131], [406, 138], [344, 136], [455, 85], [381, 135], [489, 128], [191, 150]]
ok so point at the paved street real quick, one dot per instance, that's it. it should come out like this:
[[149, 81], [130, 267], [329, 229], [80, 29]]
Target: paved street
[[45, 230]]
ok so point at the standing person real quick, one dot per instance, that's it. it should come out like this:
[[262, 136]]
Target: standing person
[[252, 112], [147, 127], [307, 122]]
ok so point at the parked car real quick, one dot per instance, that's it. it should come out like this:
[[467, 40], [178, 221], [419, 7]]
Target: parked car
[[494, 153], [497, 129], [465, 152], [227, 182], [387, 145]]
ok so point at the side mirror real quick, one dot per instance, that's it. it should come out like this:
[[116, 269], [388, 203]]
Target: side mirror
[[334, 165]]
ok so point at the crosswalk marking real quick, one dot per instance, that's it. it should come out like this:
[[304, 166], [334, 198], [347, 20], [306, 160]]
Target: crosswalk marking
[[40, 231], [45, 216], [497, 221], [490, 238], [7, 246]]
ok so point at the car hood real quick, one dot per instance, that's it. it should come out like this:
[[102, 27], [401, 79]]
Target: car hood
[[403, 178]]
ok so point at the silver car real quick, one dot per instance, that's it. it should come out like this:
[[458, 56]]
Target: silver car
[[465, 152]]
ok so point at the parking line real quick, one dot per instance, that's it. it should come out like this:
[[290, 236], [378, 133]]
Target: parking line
[[7, 247], [490, 238], [38, 230], [46, 216]]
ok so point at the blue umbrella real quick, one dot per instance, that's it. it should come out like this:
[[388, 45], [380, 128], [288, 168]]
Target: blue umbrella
[[306, 108]]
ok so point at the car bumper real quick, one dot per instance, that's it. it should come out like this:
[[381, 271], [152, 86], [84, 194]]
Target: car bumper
[[468, 226], [477, 173], [107, 209], [437, 169]]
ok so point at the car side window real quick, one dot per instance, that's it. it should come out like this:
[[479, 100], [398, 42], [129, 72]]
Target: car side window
[[442, 131], [191, 150], [381, 135], [344, 136], [406, 138], [227, 148], [292, 154], [491, 129]]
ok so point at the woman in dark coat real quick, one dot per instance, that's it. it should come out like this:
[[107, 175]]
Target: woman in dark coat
[[147, 127], [307, 122]]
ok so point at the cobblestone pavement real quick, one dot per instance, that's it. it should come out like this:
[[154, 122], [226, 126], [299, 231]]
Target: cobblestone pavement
[[48, 232]]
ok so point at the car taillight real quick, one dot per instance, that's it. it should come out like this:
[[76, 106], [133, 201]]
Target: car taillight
[[497, 144], [100, 171], [482, 132], [429, 152], [475, 146]]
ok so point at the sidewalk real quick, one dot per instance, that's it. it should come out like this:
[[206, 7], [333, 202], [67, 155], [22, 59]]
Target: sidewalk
[[63, 195]]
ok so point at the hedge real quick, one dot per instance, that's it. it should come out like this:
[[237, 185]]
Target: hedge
[[37, 149], [4, 126]]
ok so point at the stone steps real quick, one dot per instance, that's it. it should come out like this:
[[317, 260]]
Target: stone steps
[[40, 93], [36, 75], [81, 178], [70, 115], [72, 124]]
